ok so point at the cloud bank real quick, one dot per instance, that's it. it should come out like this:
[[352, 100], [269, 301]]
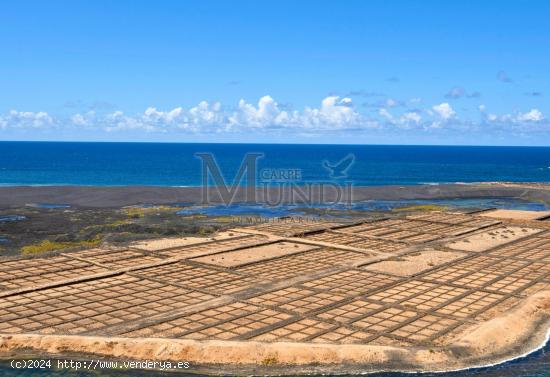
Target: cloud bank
[[334, 114]]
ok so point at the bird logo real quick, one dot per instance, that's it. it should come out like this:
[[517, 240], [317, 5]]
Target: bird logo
[[340, 169]]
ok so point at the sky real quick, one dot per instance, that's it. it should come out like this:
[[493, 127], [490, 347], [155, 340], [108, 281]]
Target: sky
[[363, 72]]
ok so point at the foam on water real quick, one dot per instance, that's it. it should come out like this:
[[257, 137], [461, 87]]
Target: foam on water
[[11, 218]]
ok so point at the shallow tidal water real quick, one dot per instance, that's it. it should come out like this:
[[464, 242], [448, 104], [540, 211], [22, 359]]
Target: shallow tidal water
[[369, 205]]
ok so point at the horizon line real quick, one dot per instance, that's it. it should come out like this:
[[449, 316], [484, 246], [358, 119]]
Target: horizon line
[[272, 143]]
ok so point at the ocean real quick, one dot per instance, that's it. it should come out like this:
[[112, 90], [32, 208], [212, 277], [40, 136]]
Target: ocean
[[172, 164]]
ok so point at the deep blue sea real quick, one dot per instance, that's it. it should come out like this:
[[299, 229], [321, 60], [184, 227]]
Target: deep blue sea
[[51, 163]]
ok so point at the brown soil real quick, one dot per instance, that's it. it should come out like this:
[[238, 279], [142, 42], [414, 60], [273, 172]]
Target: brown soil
[[515, 214], [168, 243], [491, 238], [414, 263], [253, 254]]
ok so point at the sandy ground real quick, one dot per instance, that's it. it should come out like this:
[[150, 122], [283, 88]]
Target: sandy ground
[[414, 263], [166, 243], [515, 214], [496, 340], [254, 254], [504, 332], [491, 238]]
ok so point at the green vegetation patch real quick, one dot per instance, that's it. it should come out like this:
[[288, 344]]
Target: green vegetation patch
[[421, 207], [137, 212], [47, 245]]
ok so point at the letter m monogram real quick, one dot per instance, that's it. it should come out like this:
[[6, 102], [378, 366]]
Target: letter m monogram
[[211, 168]]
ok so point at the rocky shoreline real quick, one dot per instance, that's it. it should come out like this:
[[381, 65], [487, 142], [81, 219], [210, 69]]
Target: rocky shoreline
[[118, 196]]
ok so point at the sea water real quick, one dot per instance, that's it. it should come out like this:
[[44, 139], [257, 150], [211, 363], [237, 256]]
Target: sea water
[[165, 164]]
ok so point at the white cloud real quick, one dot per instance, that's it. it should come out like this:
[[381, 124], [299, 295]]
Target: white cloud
[[205, 115], [444, 110], [27, 119], [407, 120], [79, 120], [153, 120], [267, 116], [334, 113], [411, 117], [83, 120], [152, 115], [117, 121], [534, 115], [531, 116], [346, 101]]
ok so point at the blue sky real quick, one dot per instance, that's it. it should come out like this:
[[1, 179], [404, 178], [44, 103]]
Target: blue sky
[[390, 72]]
